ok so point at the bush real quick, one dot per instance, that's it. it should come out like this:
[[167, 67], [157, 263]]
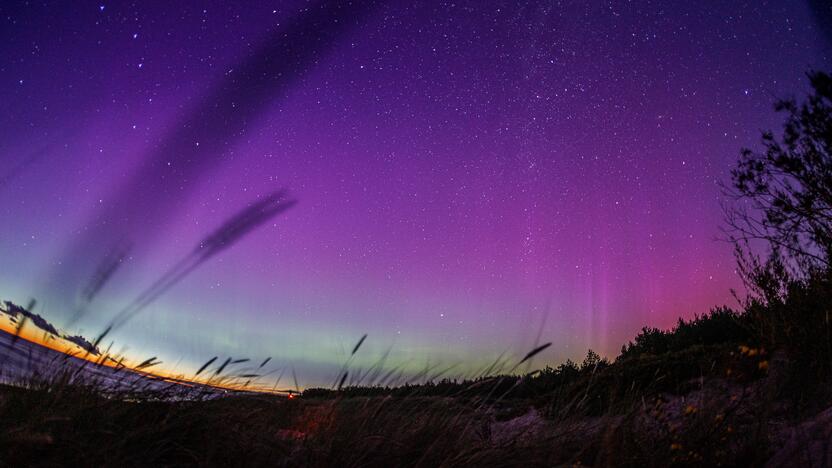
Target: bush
[[721, 326]]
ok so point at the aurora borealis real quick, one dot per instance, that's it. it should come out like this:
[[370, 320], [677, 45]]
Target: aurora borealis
[[469, 175]]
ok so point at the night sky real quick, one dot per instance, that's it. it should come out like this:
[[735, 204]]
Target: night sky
[[469, 175]]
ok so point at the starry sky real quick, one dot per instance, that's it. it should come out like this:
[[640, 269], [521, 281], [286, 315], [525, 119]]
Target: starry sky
[[470, 177]]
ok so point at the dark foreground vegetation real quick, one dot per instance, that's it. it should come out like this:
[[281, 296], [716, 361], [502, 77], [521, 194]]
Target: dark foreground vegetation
[[744, 387]]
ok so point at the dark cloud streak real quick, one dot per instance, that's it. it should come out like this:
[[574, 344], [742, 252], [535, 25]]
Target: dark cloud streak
[[195, 144], [231, 232], [19, 169]]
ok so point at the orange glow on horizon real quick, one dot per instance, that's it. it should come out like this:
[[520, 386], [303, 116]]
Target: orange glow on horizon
[[38, 336]]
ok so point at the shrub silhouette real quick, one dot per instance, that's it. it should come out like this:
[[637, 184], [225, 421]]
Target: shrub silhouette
[[722, 325], [781, 227]]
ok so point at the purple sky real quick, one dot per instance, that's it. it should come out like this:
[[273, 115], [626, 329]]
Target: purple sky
[[467, 172]]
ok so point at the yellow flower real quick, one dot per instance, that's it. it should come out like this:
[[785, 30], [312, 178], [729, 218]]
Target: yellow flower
[[752, 352], [719, 418], [690, 409], [763, 365], [744, 349], [675, 446]]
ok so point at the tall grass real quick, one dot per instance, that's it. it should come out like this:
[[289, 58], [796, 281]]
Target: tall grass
[[711, 391]]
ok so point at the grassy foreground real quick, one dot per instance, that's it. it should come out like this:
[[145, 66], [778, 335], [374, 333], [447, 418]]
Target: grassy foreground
[[731, 388], [685, 397]]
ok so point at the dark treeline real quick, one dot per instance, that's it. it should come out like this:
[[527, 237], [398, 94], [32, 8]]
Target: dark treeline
[[656, 361], [721, 343], [780, 223]]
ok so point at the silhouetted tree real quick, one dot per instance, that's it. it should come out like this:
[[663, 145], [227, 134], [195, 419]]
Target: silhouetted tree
[[783, 197], [783, 194]]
